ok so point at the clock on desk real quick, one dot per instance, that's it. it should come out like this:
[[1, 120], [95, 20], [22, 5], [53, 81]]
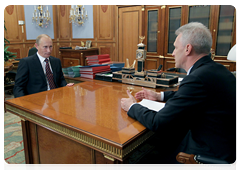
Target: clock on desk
[[141, 55]]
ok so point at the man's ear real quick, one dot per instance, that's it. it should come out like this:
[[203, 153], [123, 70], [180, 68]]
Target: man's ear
[[188, 49]]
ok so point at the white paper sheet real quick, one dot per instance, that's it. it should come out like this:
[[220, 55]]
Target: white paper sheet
[[152, 105]]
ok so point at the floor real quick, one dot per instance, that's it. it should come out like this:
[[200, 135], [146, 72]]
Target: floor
[[13, 140]]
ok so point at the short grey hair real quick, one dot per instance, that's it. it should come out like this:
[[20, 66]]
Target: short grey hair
[[40, 36], [196, 34]]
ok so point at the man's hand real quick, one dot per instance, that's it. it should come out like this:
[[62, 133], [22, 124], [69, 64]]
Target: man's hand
[[70, 84], [147, 94], [127, 102]]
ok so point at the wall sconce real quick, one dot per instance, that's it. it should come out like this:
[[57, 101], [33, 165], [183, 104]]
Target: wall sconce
[[78, 15], [41, 16]]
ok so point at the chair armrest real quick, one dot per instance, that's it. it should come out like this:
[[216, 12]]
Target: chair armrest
[[198, 159]]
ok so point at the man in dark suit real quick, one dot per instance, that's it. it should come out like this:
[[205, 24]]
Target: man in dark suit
[[32, 76], [199, 118]]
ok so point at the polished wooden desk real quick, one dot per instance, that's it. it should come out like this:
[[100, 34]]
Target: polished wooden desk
[[79, 124]]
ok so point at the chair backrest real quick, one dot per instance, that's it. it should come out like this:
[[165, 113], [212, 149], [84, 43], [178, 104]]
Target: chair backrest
[[190, 160], [32, 51]]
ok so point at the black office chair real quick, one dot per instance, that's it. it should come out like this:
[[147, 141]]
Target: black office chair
[[32, 51], [198, 159]]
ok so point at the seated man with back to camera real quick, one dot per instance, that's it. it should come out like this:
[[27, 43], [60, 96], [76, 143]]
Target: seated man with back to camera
[[39, 72], [199, 118]]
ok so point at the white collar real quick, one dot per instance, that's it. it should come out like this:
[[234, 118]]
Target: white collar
[[188, 72], [41, 58]]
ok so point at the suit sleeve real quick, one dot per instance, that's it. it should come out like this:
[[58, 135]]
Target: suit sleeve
[[62, 79], [168, 95], [21, 79], [175, 117]]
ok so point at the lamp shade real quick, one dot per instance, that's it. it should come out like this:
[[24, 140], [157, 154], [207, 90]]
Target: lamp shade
[[232, 53]]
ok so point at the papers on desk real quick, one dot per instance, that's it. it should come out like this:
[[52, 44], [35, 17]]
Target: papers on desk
[[152, 105], [180, 79], [72, 71]]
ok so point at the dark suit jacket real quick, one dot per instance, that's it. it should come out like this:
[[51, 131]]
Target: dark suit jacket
[[203, 111], [31, 79]]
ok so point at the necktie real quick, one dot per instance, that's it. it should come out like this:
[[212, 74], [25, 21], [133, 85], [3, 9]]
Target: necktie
[[49, 75]]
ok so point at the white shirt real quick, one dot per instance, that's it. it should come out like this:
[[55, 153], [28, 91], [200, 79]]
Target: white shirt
[[162, 93], [43, 63]]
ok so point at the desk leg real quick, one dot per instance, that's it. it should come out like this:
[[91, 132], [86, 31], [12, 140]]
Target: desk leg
[[113, 164], [26, 141]]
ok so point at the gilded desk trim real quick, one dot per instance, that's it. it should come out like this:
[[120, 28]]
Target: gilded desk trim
[[98, 145]]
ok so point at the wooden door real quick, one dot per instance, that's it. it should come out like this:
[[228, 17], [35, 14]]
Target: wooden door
[[130, 28], [15, 33]]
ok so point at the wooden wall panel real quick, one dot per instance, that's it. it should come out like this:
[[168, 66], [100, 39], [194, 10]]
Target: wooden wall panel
[[105, 22], [55, 51], [21, 49], [104, 19], [64, 44], [231, 66], [16, 49], [151, 63], [11, 18], [169, 63], [107, 48], [64, 27]]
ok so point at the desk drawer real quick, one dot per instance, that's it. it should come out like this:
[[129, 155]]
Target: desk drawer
[[70, 54], [67, 62]]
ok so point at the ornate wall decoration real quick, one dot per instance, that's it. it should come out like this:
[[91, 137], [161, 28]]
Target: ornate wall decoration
[[62, 10], [10, 9], [105, 50], [104, 8]]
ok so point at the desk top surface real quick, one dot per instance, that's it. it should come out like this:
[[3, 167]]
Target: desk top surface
[[91, 107]]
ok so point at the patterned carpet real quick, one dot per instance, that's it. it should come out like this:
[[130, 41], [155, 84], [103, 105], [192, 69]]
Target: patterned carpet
[[13, 140]]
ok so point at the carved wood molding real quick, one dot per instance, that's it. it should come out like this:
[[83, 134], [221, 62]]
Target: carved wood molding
[[62, 10], [111, 151], [104, 8], [105, 50], [10, 9]]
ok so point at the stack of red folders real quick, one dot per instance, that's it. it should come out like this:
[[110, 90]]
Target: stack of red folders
[[98, 59], [90, 71]]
